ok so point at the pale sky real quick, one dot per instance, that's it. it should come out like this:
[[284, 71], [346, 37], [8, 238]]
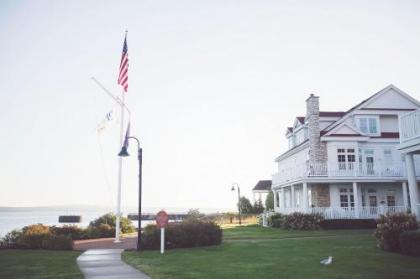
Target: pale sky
[[212, 87]]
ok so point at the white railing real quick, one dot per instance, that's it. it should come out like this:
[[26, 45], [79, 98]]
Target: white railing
[[365, 212], [410, 126], [352, 169]]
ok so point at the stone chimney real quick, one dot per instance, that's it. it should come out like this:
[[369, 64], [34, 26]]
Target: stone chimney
[[317, 149]]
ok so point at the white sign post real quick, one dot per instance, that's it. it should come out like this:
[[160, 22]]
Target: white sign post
[[162, 219], [162, 240]]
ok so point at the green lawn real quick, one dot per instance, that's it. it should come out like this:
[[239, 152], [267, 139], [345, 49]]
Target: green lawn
[[39, 264], [255, 252]]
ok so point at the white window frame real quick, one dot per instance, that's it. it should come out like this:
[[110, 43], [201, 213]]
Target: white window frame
[[367, 117]]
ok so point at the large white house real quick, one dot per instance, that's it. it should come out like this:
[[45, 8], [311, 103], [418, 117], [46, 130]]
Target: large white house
[[352, 164]]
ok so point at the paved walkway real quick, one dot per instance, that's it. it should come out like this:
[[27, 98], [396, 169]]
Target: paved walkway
[[107, 264], [128, 242]]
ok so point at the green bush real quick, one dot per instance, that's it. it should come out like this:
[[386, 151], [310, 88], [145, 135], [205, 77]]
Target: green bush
[[276, 220], [410, 243], [109, 219], [71, 231], [348, 224], [57, 242], [296, 221], [11, 239], [389, 228], [182, 235], [33, 235]]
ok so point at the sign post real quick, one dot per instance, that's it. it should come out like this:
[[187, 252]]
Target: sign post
[[162, 219]]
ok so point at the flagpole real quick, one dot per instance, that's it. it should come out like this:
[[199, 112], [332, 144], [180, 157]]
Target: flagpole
[[117, 224], [123, 81]]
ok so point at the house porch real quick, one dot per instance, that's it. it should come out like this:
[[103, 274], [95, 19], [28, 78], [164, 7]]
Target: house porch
[[344, 200]]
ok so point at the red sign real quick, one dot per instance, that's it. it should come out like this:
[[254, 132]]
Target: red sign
[[162, 219]]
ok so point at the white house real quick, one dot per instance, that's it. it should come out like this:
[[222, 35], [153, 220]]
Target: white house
[[351, 164], [261, 190]]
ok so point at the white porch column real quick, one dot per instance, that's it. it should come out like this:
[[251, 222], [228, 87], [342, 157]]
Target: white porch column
[[405, 194], [276, 205], [356, 199], [292, 196], [305, 197], [412, 183], [281, 205]]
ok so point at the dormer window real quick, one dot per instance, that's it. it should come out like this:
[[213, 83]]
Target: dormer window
[[368, 124]]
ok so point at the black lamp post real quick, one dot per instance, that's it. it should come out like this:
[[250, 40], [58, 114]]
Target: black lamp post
[[124, 153], [239, 200]]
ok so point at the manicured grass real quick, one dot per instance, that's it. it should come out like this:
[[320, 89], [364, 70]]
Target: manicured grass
[[255, 252], [39, 264]]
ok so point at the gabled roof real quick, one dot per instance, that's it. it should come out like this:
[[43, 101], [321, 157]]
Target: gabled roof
[[371, 99], [331, 113], [262, 185], [343, 129], [301, 119]]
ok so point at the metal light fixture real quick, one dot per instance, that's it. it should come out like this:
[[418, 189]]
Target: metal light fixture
[[123, 152], [239, 200]]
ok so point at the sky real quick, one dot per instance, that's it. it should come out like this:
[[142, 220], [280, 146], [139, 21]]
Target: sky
[[212, 87]]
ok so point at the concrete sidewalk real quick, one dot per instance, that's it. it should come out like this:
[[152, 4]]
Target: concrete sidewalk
[[107, 264]]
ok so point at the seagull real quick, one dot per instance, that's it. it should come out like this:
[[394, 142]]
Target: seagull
[[327, 261]]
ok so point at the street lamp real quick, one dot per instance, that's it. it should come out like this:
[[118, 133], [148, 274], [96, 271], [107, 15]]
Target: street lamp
[[124, 153], [239, 200]]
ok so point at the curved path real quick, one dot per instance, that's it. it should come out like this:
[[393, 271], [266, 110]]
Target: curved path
[[107, 264]]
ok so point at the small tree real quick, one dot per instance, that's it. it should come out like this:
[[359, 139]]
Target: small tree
[[193, 214], [258, 207], [269, 201], [245, 205]]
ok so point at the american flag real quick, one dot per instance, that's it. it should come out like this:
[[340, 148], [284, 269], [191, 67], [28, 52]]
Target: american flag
[[123, 77]]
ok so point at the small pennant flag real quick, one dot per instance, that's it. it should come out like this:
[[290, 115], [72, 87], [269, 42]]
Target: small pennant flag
[[123, 76], [109, 118]]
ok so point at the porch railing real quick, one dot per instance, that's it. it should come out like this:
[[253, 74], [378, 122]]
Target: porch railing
[[348, 169], [365, 212], [410, 126]]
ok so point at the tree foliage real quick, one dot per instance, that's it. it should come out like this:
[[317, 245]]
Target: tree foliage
[[269, 201], [258, 207], [245, 206]]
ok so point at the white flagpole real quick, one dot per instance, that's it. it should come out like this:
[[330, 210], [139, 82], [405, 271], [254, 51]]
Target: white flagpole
[[117, 225]]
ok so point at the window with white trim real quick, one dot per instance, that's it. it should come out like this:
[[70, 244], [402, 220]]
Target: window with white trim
[[368, 125], [346, 197]]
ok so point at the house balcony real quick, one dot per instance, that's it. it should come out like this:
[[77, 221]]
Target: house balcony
[[341, 170], [410, 131]]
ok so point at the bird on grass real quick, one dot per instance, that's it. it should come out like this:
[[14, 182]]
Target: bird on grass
[[327, 261]]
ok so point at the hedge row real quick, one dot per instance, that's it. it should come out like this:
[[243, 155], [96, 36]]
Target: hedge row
[[391, 227], [191, 233], [296, 221], [410, 243], [348, 224], [39, 236]]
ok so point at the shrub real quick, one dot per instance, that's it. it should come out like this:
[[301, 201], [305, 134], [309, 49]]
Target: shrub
[[389, 228], [57, 242], [276, 220], [296, 221], [110, 219], [33, 235], [302, 221], [182, 235], [337, 224], [72, 231], [11, 239], [410, 243]]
